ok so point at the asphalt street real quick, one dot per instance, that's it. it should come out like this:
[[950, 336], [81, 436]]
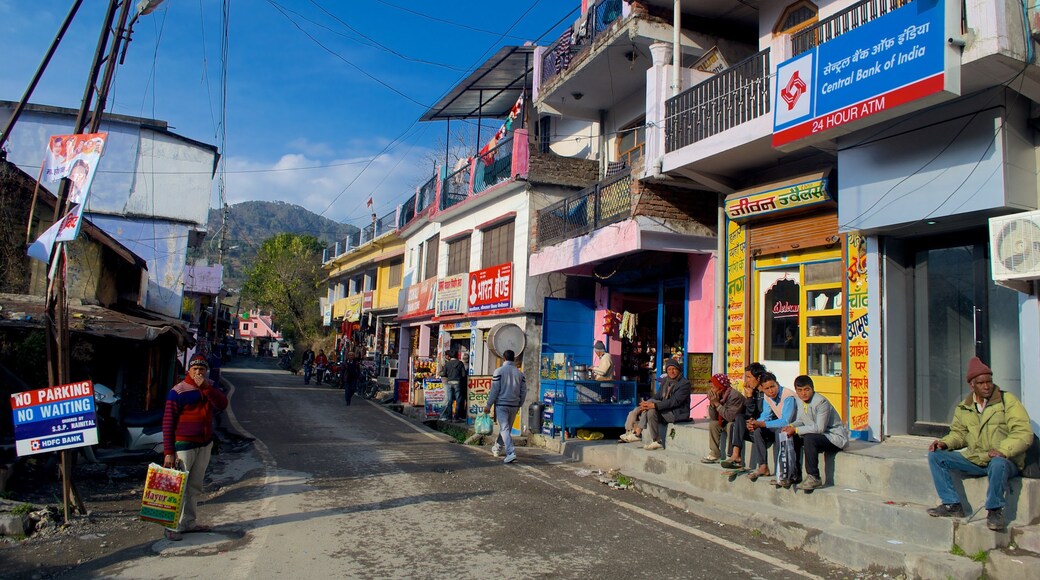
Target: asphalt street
[[361, 491]]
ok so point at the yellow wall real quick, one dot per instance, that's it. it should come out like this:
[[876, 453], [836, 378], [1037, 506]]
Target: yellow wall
[[360, 260]]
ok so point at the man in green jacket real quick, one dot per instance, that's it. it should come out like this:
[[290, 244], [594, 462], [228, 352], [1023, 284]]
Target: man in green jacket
[[992, 427]]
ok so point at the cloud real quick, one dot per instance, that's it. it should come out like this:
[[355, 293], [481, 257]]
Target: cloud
[[315, 183]]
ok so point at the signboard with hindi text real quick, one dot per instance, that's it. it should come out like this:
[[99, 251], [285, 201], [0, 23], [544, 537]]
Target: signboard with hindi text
[[857, 332], [54, 418], [736, 325], [796, 195]]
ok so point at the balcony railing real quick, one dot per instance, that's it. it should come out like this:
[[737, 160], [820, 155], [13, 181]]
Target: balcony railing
[[579, 37], [455, 188], [426, 195], [407, 212], [370, 232], [734, 96], [386, 224], [495, 166], [842, 22], [605, 202]]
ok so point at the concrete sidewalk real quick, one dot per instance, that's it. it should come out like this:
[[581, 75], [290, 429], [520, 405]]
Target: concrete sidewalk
[[870, 515]]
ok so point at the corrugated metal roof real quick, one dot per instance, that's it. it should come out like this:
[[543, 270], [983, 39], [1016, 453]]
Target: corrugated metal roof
[[491, 90]]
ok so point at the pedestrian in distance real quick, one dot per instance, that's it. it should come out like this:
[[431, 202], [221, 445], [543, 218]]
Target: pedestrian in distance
[[454, 376], [188, 436], [992, 428], [817, 428], [350, 376], [308, 365], [670, 404], [321, 362], [508, 392]]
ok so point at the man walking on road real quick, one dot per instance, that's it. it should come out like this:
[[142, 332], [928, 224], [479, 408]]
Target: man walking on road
[[993, 429], [188, 435], [508, 392], [454, 376]]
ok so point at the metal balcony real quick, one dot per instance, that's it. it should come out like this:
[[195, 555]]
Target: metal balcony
[[734, 96], [605, 202], [597, 20], [842, 22]]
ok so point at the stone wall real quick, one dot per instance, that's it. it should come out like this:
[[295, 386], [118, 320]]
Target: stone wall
[[556, 170]]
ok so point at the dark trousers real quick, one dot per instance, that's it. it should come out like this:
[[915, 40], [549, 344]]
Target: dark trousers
[[737, 434], [811, 445], [761, 440]]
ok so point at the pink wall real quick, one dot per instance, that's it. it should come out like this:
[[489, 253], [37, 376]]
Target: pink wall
[[700, 335]]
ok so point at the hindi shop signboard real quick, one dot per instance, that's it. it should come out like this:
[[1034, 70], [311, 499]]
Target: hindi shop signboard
[[756, 203], [451, 295], [54, 418], [491, 288], [894, 60]]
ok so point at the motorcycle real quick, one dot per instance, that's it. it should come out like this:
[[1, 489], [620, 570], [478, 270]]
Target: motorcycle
[[133, 436], [332, 374]]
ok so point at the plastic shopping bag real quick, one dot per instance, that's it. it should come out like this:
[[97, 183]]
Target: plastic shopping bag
[[163, 495], [483, 425], [785, 458]]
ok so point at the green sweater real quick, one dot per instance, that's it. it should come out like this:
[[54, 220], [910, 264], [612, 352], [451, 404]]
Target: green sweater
[[1002, 425]]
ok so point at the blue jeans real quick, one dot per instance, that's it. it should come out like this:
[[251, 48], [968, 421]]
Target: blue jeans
[[999, 471], [453, 392]]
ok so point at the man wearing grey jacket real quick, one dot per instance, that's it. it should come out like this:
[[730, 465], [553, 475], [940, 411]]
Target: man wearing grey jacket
[[508, 392], [817, 429]]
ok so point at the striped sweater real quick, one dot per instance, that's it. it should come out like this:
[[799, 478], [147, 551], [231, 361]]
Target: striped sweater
[[188, 420]]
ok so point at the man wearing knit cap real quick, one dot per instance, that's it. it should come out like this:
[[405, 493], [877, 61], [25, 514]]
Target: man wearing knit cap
[[992, 428], [671, 404], [726, 406], [604, 369], [188, 435]]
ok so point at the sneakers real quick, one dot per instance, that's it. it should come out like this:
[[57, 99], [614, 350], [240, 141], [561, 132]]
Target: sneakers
[[811, 482], [653, 446], [173, 535], [948, 510], [995, 520], [496, 449], [710, 458], [630, 438], [509, 458]]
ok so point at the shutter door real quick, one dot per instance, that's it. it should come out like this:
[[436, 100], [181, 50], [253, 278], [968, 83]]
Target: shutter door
[[796, 233]]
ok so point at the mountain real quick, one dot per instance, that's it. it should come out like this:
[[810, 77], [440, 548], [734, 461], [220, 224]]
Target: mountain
[[252, 222]]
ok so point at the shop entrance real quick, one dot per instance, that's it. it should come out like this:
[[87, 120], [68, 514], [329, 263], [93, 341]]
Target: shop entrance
[[657, 331], [958, 313], [778, 336]]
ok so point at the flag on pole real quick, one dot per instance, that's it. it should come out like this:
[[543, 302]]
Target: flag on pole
[[369, 204]]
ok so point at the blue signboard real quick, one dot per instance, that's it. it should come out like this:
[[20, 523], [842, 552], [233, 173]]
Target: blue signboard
[[54, 418], [893, 60]]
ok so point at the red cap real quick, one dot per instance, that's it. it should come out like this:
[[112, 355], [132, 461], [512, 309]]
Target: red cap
[[976, 367]]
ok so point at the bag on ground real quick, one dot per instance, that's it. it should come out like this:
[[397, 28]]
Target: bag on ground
[[483, 425], [163, 495]]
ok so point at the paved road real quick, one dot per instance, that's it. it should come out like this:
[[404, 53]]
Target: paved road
[[360, 491]]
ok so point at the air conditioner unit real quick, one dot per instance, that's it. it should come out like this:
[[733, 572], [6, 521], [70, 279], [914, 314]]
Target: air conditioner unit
[[1015, 246]]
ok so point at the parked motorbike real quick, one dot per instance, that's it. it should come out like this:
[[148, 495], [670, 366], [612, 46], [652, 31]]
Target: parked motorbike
[[332, 374], [134, 436]]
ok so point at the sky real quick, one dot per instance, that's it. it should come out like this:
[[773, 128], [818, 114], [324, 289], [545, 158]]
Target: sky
[[323, 97]]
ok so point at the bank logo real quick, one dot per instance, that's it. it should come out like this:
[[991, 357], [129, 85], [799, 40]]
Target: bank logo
[[794, 82]]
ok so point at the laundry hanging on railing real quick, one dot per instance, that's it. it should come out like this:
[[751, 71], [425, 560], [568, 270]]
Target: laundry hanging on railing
[[487, 153]]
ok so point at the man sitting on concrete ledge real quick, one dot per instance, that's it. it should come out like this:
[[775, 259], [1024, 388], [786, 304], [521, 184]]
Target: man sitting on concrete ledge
[[671, 404], [726, 406], [739, 432], [778, 411], [817, 429], [992, 427]]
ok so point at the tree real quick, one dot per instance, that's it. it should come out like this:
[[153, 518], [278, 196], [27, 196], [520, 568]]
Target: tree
[[286, 279]]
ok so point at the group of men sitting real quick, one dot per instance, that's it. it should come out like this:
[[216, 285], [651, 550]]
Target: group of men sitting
[[763, 414], [991, 427]]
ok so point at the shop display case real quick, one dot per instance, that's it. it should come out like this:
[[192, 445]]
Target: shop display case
[[571, 405], [824, 326]]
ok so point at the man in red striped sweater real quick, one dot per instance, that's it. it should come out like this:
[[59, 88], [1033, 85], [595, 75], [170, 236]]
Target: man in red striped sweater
[[188, 434]]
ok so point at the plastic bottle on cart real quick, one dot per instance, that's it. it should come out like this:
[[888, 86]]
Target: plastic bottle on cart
[[570, 370]]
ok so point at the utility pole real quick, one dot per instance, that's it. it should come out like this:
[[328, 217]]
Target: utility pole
[[221, 248], [110, 41]]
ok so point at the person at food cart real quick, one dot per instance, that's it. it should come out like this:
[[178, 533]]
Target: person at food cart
[[604, 368], [670, 404], [188, 436]]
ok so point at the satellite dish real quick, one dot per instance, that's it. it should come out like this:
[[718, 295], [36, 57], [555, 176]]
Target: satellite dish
[[1018, 246], [506, 336]]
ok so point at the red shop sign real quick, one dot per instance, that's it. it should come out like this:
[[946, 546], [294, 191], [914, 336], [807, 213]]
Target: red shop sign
[[491, 288]]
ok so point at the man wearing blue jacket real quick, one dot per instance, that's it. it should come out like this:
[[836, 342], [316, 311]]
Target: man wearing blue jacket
[[508, 392], [778, 411]]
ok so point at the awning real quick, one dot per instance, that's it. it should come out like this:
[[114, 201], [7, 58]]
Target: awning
[[21, 311], [491, 90]]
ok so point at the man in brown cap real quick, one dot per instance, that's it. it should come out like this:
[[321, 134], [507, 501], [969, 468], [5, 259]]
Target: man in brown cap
[[992, 427]]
